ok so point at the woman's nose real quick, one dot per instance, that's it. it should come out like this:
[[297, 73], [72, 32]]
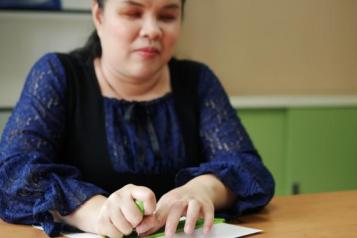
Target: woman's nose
[[151, 29]]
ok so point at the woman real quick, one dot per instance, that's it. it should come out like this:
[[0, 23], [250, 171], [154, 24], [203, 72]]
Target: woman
[[55, 169]]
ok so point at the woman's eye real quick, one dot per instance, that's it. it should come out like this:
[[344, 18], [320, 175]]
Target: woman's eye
[[133, 15], [167, 18]]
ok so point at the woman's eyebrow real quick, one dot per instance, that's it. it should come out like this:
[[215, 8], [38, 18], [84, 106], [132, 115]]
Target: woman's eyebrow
[[131, 2], [171, 6]]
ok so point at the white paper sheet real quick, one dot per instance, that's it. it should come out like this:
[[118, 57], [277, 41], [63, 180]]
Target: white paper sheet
[[220, 230], [83, 235]]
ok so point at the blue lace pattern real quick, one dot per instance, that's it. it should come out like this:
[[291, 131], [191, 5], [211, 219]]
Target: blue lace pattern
[[32, 184]]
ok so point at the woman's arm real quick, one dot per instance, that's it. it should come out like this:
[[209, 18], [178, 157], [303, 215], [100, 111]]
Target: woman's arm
[[85, 216], [31, 182], [228, 152], [112, 216]]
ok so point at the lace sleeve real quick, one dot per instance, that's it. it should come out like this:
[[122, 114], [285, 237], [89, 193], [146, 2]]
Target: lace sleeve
[[31, 183], [228, 150]]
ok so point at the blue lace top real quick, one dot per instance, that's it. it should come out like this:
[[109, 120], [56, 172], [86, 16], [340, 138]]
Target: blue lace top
[[32, 184]]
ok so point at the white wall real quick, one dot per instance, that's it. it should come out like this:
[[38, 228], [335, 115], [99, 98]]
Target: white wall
[[25, 36]]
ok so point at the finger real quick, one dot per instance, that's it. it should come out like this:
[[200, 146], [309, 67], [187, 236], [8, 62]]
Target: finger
[[158, 219], [192, 214], [162, 209], [156, 226], [131, 211], [148, 223], [208, 218], [106, 228], [112, 232], [173, 218], [150, 231], [120, 222], [145, 195]]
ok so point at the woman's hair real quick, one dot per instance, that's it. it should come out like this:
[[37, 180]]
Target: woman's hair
[[93, 48]]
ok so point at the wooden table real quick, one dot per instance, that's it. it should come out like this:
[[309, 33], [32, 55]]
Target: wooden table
[[303, 216], [313, 215]]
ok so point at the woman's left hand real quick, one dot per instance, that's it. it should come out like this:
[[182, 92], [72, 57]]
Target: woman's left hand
[[196, 199], [182, 201]]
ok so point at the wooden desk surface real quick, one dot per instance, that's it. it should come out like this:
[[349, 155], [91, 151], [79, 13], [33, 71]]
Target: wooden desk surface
[[313, 215]]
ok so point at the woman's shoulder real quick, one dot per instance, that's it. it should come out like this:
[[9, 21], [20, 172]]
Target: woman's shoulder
[[202, 72], [47, 65], [46, 76], [200, 66], [208, 84], [55, 60], [48, 58]]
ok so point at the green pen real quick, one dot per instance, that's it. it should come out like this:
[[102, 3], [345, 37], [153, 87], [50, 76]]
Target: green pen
[[140, 205]]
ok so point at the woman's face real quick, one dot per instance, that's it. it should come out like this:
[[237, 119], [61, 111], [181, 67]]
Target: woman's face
[[138, 37]]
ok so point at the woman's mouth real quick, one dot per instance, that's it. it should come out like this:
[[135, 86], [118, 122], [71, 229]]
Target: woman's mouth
[[148, 52]]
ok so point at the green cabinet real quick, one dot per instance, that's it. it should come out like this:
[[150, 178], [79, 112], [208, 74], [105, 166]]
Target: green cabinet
[[322, 149], [307, 149]]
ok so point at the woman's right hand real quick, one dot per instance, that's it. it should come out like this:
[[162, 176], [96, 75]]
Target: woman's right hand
[[113, 216]]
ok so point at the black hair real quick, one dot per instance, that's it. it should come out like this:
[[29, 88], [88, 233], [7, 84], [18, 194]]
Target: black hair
[[92, 47]]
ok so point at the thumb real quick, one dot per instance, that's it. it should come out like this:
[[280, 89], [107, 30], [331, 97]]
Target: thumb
[[149, 223]]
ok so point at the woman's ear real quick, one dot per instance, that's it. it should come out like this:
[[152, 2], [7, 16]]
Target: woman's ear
[[97, 15]]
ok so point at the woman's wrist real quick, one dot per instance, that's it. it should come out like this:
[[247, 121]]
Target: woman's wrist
[[85, 216], [220, 195]]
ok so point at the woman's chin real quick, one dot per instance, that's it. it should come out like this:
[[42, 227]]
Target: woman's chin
[[144, 71]]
